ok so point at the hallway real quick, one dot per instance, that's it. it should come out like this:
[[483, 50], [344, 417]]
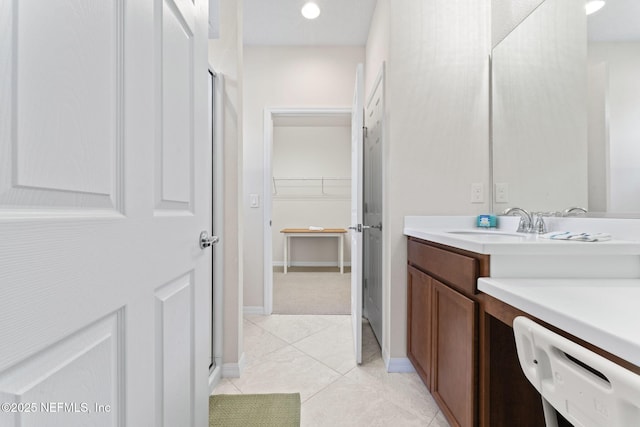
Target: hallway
[[313, 355]]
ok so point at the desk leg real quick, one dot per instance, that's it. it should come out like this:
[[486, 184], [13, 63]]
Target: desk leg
[[286, 253], [341, 250]]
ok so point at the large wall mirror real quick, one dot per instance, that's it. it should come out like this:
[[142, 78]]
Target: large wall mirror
[[566, 106]]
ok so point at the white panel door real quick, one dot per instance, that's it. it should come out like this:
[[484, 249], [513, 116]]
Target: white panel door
[[372, 202], [357, 123], [104, 190]]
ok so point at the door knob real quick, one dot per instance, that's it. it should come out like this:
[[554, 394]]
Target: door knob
[[206, 240], [379, 226], [361, 227]]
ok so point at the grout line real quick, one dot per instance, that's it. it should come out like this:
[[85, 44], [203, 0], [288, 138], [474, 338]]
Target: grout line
[[434, 418], [230, 381], [321, 390], [321, 362], [302, 338], [286, 344]]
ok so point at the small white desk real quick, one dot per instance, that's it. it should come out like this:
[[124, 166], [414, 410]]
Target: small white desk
[[303, 232]]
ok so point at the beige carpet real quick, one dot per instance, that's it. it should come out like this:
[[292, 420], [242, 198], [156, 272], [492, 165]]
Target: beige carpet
[[311, 293]]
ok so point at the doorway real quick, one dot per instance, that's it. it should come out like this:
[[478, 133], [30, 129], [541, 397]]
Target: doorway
[[310, 193]]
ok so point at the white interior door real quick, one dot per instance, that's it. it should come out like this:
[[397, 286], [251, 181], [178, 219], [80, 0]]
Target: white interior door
[[372, 203], [104, 190], [357, 122]]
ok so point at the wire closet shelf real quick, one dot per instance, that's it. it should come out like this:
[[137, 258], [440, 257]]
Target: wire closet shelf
[[316, 186]]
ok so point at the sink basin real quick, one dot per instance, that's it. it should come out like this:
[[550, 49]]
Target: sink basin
[[479, 233]]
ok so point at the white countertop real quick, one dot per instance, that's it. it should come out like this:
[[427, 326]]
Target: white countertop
[[603, 312], [505, 241], [529, 255]]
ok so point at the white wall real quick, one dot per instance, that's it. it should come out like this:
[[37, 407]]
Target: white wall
[[284, 77], [225, 55], [311, 151], [377, 48], [436, 141], [623, 109]]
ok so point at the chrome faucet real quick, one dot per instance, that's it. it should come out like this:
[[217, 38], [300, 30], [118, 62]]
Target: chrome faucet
[[525, 225], [575, 209]]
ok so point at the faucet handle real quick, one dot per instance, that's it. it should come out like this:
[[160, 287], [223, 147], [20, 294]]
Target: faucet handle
[[523, 226], [576, 210], [540, 227]]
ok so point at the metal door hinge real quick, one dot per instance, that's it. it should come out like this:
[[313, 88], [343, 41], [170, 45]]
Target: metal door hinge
[[364, 131]]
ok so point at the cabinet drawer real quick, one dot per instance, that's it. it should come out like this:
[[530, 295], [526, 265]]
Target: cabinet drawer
[[458, 271]]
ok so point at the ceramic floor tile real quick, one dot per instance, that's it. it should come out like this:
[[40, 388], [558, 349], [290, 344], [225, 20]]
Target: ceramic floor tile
[[258, 342], [356, 404], [225, 386], [339, 319], [287, 370], [439, 421], [406, 390], [332, 346], [291, 328], [322, 350]]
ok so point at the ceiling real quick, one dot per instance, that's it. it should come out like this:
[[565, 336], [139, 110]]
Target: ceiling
[[346, 22], [279, 22], [618, 20]]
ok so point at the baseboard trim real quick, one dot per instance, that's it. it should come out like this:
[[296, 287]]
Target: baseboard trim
[[251, 310], [399, 365], [233, 370], [311, 264], [214, 378]]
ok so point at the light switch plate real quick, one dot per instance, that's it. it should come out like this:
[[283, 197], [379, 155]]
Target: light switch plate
[[502, 192], [254, 200], [477, 192]]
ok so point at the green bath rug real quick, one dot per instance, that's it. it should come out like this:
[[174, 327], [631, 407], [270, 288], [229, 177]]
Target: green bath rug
[[254, 410]]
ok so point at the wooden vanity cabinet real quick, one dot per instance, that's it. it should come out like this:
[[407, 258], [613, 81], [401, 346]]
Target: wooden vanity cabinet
[[461, 341], [442, 331]]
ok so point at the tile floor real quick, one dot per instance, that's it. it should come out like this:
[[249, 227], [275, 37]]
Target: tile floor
[[313, 355]]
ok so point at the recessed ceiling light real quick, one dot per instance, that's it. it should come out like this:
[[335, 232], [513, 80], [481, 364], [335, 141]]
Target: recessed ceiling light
[[310, 10], [593, 6]]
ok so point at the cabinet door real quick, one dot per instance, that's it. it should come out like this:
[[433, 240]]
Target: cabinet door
[[419, 323], [454, 354]]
